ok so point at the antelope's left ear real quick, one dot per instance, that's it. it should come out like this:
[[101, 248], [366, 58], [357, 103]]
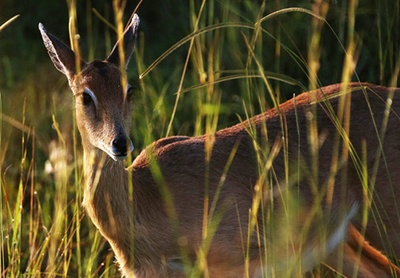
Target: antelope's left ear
[[129, 39]]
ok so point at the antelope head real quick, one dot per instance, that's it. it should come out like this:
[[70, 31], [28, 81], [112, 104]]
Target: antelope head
[[102, 96]]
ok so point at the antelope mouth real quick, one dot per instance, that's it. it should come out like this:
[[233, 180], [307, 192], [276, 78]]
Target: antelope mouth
[[120, 157], [119, 154]]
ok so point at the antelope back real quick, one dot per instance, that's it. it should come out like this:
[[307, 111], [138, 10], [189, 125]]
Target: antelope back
[[102, 96]]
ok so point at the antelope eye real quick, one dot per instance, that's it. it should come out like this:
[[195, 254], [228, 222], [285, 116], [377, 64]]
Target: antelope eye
[[86, 99], [129, 91]]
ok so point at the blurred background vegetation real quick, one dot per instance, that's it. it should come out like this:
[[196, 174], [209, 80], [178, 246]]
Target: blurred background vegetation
[[36, 104]]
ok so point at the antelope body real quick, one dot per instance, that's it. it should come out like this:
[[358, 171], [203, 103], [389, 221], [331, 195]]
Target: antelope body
[[217, 202]]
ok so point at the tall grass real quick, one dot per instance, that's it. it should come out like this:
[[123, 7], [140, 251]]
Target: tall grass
[[230, 60]]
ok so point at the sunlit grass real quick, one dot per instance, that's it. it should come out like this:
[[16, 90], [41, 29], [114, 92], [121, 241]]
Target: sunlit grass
[[225, 76]]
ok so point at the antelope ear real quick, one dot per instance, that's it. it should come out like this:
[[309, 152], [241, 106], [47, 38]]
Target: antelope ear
[[129, 39], [60, 54]]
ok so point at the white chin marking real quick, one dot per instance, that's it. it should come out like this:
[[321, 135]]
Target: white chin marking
[[119, 158]]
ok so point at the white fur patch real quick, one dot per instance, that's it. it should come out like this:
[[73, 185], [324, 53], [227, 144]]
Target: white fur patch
[[314, 254]]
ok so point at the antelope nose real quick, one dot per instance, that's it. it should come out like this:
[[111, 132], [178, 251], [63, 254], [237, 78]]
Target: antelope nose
[[121, 146]]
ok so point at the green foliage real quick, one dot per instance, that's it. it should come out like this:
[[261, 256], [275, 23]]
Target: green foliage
[[218, 62]]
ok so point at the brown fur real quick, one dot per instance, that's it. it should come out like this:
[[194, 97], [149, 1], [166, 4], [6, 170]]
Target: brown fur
[[169, 217], [358, 256]]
